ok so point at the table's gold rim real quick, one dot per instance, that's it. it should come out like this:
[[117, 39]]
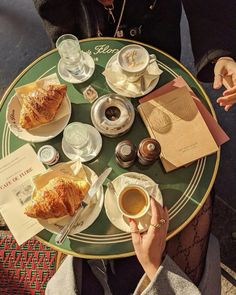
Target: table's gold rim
[[86, 256], [108, 38], [10, 87], [173, 233]]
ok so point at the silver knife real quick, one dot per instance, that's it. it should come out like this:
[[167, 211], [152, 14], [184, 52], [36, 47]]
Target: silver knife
[[61, 236]]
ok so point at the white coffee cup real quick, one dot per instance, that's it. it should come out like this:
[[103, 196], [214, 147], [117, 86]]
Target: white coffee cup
[[134, 59], [133, 201]]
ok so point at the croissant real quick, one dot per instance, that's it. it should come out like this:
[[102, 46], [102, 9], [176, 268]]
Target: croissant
[[60, 197], [40, 106]]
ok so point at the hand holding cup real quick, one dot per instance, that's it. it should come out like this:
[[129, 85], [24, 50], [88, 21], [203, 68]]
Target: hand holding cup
[[150, 246]]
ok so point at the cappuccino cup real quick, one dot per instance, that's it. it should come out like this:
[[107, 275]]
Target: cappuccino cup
[[133, 60], [133, 201]]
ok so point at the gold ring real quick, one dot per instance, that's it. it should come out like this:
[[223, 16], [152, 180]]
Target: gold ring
[[158, 225]]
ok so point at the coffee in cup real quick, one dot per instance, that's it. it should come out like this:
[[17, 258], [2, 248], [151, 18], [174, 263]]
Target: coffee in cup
[[133, 201], [133, 60]]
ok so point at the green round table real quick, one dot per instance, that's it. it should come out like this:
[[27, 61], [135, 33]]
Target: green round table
[[184, 190]]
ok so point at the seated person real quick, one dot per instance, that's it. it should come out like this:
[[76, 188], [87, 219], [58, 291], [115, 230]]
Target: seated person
[[162, 274], [156, 23]]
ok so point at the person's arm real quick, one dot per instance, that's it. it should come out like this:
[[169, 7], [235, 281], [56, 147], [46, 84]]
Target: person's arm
[[169, 279], [58, 17], [213, 33], [161, 277], [68, 17]]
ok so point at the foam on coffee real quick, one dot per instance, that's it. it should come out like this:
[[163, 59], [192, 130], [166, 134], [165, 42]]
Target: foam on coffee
[[133, 58]]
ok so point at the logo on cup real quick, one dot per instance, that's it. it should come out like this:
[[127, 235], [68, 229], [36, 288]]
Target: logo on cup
[[133, 201]]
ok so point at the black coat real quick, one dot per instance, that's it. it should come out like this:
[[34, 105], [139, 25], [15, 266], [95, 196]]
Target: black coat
[[212, 25]]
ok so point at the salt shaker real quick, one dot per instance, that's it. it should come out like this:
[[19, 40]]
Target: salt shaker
[[125, 153], [148, 151]]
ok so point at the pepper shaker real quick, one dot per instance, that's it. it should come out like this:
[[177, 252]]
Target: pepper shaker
[[148, 151]]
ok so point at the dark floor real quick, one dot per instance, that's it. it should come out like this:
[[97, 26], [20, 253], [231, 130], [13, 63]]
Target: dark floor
[[23, 39]]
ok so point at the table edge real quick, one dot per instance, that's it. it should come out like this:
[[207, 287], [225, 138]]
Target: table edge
[[171, 234]]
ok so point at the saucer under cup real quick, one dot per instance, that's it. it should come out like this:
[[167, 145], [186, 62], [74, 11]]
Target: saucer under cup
[[111, 207], [112, 63], [95, 146], [68, 77]]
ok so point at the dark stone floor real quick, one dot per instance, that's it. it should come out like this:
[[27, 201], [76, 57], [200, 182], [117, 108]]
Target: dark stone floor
[[23, 39]]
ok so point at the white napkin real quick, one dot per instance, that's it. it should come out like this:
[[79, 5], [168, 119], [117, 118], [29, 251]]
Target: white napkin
[[120, 80]]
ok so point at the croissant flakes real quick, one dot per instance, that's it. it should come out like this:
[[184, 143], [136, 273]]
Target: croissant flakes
[[40, 106], [60, 197]]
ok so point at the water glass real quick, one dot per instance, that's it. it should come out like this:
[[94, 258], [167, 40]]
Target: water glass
[[77, 136], [71, 54]]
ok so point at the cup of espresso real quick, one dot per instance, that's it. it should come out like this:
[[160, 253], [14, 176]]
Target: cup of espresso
[[133, 201], [133, 60]]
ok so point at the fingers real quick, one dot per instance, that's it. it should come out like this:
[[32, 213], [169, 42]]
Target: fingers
[[159, 219], [228, 82], [166, 216], [218, 80], [229, 99], [135, 234], [156, 209], [230, 91], [234, 78], [227, 107]]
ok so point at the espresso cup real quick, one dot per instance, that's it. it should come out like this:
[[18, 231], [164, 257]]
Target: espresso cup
[[133, 60], [133, 201]]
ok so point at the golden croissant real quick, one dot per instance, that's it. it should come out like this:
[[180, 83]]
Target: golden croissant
[[60, 197], [40, 106]]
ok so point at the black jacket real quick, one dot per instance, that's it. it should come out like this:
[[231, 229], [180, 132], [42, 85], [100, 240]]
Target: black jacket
[[212, 25]]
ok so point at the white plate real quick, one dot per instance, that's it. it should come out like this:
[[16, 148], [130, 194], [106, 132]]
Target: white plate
[[96, 143], [88, 215], [112, 211], [65, 75], [39, 134], [124, 92]]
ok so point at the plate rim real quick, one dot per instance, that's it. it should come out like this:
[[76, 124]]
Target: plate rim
[[99, 205], [66, 118]]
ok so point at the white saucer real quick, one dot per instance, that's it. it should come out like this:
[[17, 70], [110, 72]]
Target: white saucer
[[124, 91], [87, 217], [112, 211], [65, 75], [42, 133], [96, 143]]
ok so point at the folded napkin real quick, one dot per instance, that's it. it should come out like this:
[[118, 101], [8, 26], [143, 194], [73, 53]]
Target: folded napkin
[[117, 77]]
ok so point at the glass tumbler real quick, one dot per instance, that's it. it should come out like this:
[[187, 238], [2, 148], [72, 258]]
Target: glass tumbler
[[71, 54], [77, 136]]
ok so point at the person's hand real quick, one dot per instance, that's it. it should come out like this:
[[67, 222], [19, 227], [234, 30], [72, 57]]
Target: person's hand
[[228, 99], [149, 246], [225, 74]]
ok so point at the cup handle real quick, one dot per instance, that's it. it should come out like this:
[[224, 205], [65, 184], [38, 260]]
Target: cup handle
[[152, 58]]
